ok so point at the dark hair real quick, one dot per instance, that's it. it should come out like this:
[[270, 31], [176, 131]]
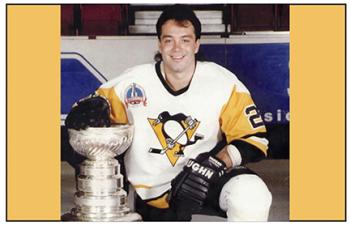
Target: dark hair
[[180, 13]]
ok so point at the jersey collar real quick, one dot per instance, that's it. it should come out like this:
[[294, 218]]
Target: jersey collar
[[165, 84]]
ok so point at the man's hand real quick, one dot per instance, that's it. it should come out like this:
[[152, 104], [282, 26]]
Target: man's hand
[[92, 111], [191, 186]]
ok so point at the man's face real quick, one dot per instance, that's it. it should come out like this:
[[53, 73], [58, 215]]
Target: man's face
[[178, 46]]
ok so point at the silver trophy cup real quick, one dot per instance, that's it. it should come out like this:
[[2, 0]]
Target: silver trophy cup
[[100, 195]]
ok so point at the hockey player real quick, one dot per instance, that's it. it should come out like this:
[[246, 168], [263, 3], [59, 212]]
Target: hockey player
[[196, 126]]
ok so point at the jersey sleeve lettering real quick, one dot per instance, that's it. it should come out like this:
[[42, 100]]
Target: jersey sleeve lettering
[[241, 122], [118, 112]]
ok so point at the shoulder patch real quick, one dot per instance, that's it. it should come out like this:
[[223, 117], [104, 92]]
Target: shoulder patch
[[134, 95]]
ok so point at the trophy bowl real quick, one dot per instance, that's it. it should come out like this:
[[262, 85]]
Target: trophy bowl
[[98, 143], [100, 195]]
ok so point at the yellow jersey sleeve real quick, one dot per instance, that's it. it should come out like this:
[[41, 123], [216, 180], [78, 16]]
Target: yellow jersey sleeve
[[241, 122], [118, 111]]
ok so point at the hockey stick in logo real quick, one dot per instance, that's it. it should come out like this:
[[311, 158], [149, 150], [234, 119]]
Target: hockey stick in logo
[[170, 143]]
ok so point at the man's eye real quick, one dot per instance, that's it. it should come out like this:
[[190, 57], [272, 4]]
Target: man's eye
[[186, 40], [167, 40]]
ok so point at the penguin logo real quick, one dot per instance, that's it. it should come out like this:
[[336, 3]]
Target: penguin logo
[[174, 133]]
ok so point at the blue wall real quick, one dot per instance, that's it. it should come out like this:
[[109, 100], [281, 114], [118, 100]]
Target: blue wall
[[77, 82], [264, 69]]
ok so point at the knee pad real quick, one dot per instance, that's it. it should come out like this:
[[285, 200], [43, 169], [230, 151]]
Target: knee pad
[[245, 198]]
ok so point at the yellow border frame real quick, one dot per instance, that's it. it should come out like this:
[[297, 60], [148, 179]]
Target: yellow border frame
[[317, 102], [33, 112], [317, 175]]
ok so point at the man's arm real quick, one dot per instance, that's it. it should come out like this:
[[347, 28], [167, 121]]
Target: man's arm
[[239, 154], [224, 156]]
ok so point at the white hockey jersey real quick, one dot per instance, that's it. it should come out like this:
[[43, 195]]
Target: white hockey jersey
[[173, 126]]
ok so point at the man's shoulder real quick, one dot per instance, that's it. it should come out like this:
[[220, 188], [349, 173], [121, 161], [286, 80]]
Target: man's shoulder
[[216, 70], [220, 75]]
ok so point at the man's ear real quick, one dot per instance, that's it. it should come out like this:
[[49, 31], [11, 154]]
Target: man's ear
[[197, 43]]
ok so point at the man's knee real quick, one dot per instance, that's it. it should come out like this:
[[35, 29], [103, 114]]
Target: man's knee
[[246, 198]]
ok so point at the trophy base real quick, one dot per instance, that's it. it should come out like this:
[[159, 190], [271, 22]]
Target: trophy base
[[125, 218]]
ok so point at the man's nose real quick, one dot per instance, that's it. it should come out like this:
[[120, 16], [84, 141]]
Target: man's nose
[[177, 45]]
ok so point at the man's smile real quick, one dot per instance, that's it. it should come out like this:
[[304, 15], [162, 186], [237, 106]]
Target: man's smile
[[177, 58]]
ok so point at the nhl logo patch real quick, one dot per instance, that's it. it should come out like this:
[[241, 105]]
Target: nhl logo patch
[[134, 96]]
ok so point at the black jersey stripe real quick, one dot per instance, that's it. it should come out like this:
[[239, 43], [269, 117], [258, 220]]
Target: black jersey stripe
[[165, 84], [260, 134], [249, 152]]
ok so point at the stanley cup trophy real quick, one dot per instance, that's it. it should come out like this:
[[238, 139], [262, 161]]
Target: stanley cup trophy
[[100, 195]]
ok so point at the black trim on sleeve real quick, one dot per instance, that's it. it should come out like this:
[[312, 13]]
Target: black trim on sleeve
[[165, 84], [261, 135], [218, 147], [249, 152]]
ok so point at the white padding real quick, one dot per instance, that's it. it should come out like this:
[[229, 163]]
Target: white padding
[[234, 154], [246, 198]]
